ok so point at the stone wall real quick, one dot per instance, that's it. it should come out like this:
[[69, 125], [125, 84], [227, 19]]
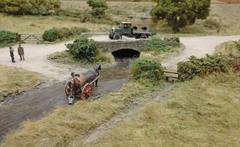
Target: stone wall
[[115, 45]]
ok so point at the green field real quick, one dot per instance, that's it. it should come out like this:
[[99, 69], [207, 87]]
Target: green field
[[224, 19]]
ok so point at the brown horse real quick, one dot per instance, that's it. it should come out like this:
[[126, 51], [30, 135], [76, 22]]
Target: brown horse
[[73, 86]]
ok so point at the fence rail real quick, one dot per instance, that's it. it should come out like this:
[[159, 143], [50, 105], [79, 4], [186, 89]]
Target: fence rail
[[171, 75], [31, 37]]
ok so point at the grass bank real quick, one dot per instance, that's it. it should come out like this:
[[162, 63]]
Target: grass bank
[[15, 80], [231, 48], [38, 24], [66, 58], [201, 112], [66, 127], [183, 118]]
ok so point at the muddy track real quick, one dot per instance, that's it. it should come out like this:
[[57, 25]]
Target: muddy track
[[40, 101]]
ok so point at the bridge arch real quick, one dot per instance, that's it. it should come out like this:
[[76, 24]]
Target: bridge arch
[[126, 53]]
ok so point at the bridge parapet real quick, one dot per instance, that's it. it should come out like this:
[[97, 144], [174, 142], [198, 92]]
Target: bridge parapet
[[112, 46]]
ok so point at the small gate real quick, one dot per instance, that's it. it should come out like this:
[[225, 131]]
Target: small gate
[[33, 38]]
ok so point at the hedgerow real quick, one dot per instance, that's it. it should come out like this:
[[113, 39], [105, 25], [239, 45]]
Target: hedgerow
[[7, 38], [32, 7], [62, 33], [202, 66]]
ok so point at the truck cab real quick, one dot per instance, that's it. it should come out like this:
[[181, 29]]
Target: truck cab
[[125, 28]]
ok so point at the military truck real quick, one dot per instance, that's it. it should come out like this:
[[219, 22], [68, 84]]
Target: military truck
[[126, 29]]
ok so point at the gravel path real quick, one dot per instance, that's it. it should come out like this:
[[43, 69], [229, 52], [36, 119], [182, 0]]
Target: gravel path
[[36, 60]]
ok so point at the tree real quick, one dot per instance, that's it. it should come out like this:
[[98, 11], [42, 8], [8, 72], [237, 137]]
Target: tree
[[98, 7], [180, 13]]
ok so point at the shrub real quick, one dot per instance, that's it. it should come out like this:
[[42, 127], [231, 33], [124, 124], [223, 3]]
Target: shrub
[[146, 69], [83, 49], [33, 7], [61, 33], [98, 7], [202, 66], [50, 35], [7, 38], [161, 45]]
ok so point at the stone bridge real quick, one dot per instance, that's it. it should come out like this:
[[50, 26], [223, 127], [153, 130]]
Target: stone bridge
[[116, 45]]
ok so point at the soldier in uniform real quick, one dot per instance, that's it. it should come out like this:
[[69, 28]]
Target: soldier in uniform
[[11, 50], [21, 52]]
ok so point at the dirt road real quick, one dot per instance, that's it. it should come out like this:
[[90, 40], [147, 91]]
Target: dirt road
[[36, 60], [43, 99], [197, 46]]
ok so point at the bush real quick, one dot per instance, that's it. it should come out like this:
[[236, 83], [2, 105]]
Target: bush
[[61, 33], [7, 38], [161, 45], [50, 35], [83, 49], [202, 66], [33, 7], [98, 7], [146, 69]]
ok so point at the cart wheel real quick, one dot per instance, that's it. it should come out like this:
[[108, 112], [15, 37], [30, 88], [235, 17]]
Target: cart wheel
[[87, 91]]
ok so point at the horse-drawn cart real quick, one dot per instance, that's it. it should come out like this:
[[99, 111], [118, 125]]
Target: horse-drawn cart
[[81, 86]]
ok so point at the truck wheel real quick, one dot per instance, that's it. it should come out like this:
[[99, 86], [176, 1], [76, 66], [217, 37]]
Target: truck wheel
[[144, 36], [117, 36]]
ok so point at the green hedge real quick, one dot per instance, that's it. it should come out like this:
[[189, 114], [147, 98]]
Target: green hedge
[[7, 38], [202, 66], [32, 7], [62, 33], [146, 69]]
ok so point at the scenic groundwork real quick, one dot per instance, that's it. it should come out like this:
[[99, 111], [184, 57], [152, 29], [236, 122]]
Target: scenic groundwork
[[85, 73]]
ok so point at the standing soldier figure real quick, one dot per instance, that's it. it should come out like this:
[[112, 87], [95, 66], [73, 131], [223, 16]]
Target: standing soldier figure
[[21, 52], [11, 50]]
